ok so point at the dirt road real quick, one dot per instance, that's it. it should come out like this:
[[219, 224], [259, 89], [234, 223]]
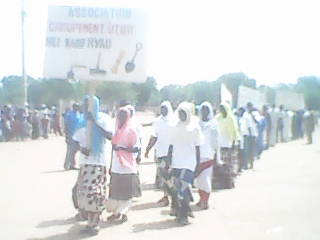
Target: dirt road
[[279, 199]]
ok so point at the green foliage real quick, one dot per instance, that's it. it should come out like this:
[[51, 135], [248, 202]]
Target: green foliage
[[234, 80], [112, 92], [145, 91], [50, 91], [173, 93], [206, 91], [12, 90], [310, 87], [196, 92]]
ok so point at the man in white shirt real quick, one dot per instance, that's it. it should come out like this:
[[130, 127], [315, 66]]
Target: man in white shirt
[[243, 129], [287, 125], [162, 127], [184, 152], [251, 134], [274, 117]]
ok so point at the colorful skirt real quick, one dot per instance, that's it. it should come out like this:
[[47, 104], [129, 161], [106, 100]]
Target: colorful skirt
[[230, 157], [91, 188], [164, 174], [181, 191]]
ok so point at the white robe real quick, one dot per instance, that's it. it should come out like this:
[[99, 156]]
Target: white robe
[[208, 149], [287, 130], [274, 116]]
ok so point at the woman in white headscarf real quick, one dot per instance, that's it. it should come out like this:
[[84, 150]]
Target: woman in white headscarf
[[184, 153], [160, 138], [209, 150]]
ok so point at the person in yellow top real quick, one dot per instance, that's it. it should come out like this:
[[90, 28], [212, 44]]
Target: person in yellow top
[[229, 137], [228, 125]]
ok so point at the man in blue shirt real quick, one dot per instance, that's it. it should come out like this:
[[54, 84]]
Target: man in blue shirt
[[71, 120]]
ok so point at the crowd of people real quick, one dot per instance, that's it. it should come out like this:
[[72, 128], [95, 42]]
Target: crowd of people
[[195, 146], [22, 123]]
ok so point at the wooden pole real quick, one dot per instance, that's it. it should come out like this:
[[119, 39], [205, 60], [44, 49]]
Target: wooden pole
[[92, 92]]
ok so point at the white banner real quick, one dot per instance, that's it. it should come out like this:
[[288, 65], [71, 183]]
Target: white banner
[[225, 94], [88, 43], [254, 96], [291, 100]]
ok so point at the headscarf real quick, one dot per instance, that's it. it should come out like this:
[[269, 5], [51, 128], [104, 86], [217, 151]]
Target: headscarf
[[168, 106], [134, 123], [228, 123], [202, 123], [186, 107], [126, 136], [97, 138], [131, 109], [209, 106]]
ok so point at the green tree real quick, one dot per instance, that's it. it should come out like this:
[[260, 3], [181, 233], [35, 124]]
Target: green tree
[[112, 92], [12, 90], [234, 80], [145, 91], [173, 93], [310, 87]]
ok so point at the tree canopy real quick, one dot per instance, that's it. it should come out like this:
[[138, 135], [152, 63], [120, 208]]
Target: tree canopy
[[50, 91]]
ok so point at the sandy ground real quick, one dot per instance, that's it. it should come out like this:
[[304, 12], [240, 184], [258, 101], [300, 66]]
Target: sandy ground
[[279, 199]]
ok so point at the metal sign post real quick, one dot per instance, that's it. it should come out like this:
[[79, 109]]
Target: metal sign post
[[24, 77]]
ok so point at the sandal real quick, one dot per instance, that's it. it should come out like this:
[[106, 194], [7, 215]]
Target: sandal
[[80, 217], [124, 218], [114, 217], [164, 202]]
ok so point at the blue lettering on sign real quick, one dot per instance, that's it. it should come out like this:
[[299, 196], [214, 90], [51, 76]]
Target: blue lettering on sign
[[111, 13], [99, 43], [53, 42], [75, 43]]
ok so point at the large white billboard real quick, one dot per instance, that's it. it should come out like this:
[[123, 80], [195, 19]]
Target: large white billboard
[[291, 100], [225, 94], [88, 43], [254, 96]]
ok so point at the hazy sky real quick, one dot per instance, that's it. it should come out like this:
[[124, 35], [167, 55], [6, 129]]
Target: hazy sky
[[272, 41]]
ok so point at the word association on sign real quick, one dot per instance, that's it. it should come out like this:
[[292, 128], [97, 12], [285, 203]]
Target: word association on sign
[[106, 13]]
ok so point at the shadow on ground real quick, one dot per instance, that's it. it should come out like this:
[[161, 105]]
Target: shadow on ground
[[75, 232], [145, 206], [160, 225], [57, 222]]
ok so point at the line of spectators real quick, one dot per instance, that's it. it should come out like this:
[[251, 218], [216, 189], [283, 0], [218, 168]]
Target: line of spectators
[[22, 123]]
